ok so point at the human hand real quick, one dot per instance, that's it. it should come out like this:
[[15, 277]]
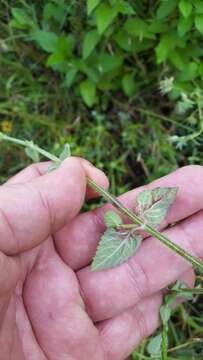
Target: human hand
[[43, 245]]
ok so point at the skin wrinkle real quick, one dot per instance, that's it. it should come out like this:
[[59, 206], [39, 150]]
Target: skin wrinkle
[[134, 267], [7, 225]]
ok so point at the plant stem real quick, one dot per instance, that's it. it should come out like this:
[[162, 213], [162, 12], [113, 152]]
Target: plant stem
[[197, 263]]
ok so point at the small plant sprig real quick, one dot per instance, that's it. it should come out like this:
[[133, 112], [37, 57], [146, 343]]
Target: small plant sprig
[[32, 150], [120, 241], [158, 345]]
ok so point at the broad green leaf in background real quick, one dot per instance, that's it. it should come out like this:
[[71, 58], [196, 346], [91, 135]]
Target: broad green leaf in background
[[108, 63], [125, 8], [199, 23], [104, 17], [166, 44], [47, 40], [128, 84], [90, 41], [21, 20], [70, 77], [88, 92], [114, 249], [139, 28], [154, 346], [91, 5], [166, 8], [152, 205], [184, 25], [185, 7], [198, 4], [112, 219], [55, 11]]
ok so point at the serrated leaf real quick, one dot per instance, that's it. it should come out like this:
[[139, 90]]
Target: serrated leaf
[[114, 249], [143, 201], [152, 205], [65, 153], [91, 5], [185, 7], [32, 153], [104, 17], [112, 219], [90, 41], [154, 346]]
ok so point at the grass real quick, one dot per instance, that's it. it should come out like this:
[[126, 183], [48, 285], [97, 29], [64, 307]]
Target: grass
[[128, 139]]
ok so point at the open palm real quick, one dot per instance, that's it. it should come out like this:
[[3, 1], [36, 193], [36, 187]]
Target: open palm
[[51, 305]]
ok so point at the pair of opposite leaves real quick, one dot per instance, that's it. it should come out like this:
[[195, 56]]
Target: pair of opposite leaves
[[119, 242]]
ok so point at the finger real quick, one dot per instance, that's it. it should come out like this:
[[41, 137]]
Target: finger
[[30, 212], [29, 173], [121, 334], [53, 302], [152, 268], [77, 242], [35, 170]]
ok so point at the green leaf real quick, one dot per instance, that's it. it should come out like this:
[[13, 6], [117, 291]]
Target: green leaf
[[65, 153], [128, 84], [91, 5], [184, 25], [108, 63], [88, 92], [104, 17], [32, 153], [56, 12], [199, 23], [166, 8], [90, 41], [185, 8], [139, 28], [114, 249], [144, 201], [125, 8], [198, 4], [70, 77], [47, 40], [21, 19], [152, 205], [112, 219], [154, 346], [165, 313], [166, 44]]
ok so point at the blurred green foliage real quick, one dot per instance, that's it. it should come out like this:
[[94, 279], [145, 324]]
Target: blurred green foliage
[[121, 81]]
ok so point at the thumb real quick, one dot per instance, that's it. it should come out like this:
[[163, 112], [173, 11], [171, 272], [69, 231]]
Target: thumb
[[31, 211]]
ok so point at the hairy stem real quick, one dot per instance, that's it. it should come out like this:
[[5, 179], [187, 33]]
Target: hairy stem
[[197, 263]]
